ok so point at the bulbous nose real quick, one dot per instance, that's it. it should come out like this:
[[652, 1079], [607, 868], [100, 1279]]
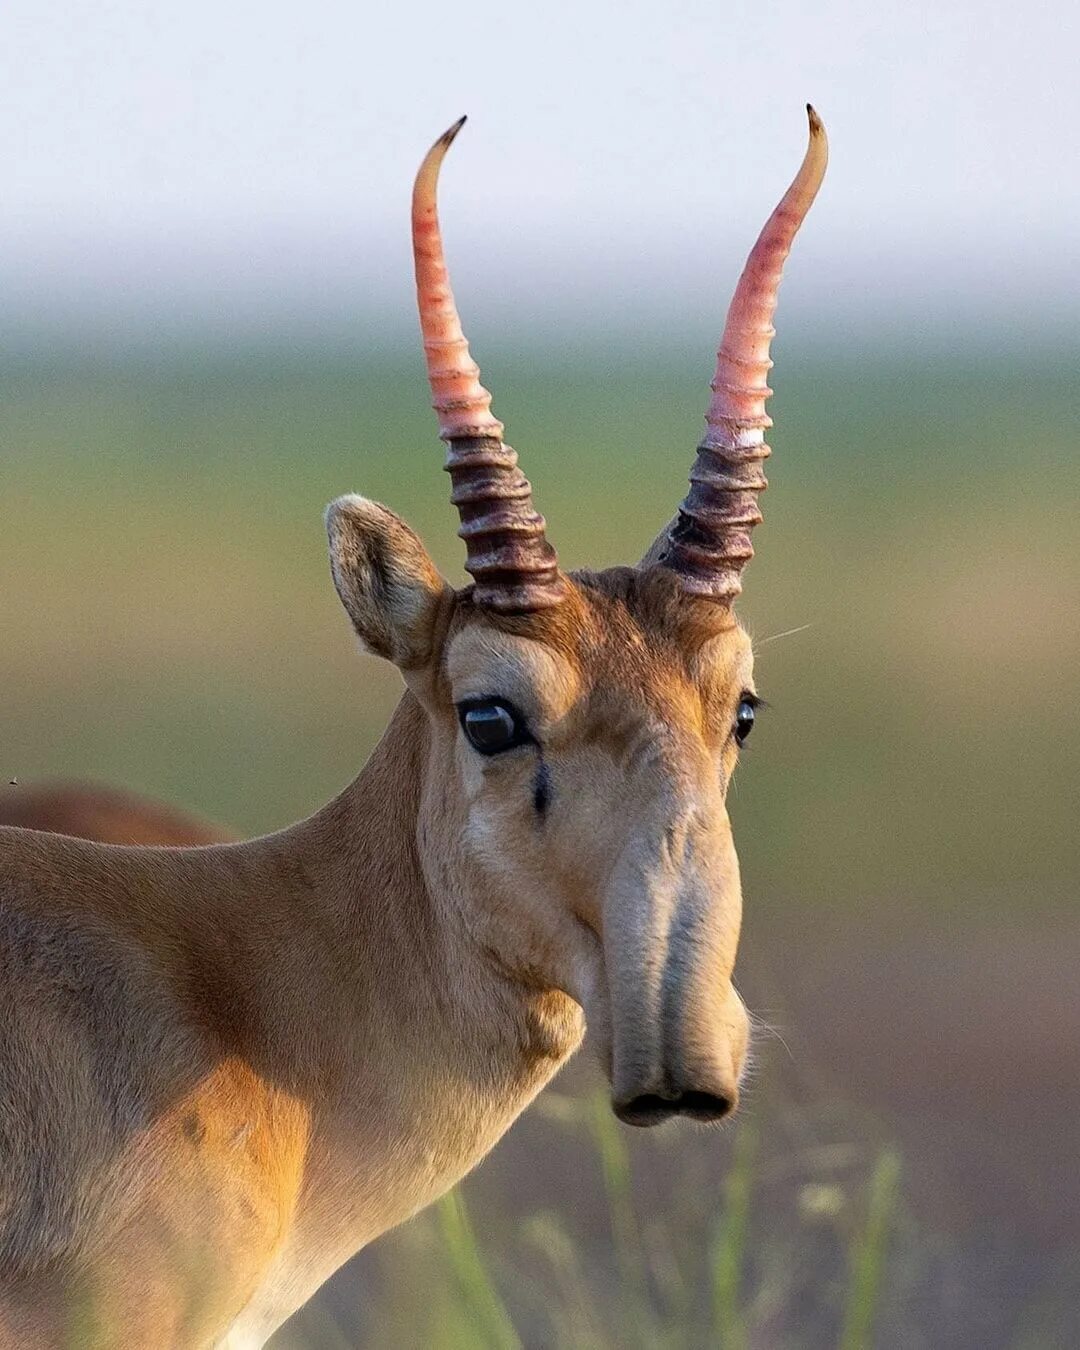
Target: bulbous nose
[[704, 1102], [695, 1070]]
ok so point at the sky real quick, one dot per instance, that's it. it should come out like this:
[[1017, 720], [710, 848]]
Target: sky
[[212, 161]]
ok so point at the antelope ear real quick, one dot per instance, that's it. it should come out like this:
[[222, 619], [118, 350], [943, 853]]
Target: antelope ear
[[387, 582]]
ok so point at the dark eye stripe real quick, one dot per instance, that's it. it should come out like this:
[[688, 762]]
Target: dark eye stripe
[[542, 788]]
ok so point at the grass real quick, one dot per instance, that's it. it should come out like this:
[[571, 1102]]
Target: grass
[[729, 1246], [626, 1239], [868, 1255], [637, 1291], [484, 1313]]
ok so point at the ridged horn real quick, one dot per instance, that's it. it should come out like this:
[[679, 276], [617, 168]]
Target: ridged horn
[[709, 542], [514, 567]]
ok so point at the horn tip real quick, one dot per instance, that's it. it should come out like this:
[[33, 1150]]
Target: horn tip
[[817, 126], [446, 140]]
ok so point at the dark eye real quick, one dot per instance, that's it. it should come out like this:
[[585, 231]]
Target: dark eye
[[744, 719], [493, 727]]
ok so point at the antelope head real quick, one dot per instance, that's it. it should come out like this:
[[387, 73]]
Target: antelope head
[[580, 730]]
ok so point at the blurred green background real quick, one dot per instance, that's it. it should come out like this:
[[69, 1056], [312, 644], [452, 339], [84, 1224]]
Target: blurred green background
[[168, 620], [906, 813]]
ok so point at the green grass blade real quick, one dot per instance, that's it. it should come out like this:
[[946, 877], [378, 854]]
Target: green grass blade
[[487, 1310], [729, 1245], [629, 1251], [577, 1313], [868, 1254]]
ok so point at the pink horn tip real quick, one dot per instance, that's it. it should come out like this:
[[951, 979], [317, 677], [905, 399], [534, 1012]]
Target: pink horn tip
[[462, 403], [514, 568], [710, 543]]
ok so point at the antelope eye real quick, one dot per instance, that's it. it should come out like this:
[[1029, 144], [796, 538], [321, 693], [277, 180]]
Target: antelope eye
[[744, 720], [492, 727]]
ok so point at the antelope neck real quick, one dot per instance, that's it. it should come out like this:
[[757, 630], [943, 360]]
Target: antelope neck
[[410, 1048]]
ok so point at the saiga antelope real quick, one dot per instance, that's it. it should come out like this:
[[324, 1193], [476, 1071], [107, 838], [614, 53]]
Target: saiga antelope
[[223, 1070], [107, 814]]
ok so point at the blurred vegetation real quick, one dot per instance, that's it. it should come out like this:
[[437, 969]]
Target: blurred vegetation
[[168, 620], [168, 623], [652, 1284]]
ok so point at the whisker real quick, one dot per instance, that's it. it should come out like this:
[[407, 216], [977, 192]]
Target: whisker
[[760, 1024], [788, 632]]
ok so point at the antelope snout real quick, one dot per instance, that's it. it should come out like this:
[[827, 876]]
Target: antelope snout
[[679, 1031], [695, 1074]]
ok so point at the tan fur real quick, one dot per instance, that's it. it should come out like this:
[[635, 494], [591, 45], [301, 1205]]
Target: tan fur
[[109, 815], [223, 1070]]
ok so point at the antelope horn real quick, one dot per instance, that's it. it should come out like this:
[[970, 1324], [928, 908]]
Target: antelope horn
[[709, 542], [514, 567]]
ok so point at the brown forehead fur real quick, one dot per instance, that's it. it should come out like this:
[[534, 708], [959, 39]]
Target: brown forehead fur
[[617, 628], [603, 607]]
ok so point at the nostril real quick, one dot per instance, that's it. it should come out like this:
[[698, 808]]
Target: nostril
[[704, 1106], [644, 1110], [649, 1108]]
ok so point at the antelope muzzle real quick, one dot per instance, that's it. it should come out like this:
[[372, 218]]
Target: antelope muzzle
[[679, 1030]]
